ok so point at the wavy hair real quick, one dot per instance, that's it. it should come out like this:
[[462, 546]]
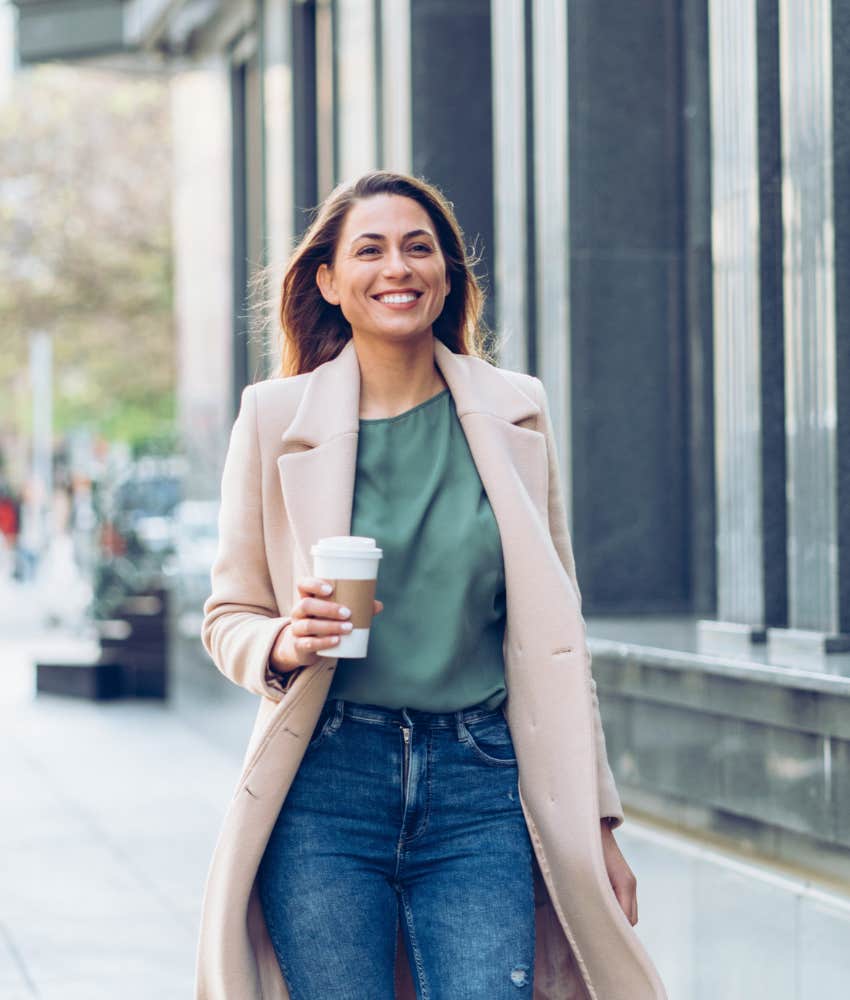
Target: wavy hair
[[313, 330]]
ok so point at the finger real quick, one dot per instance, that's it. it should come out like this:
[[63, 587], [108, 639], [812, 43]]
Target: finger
[[315, 586], [313, 643], [312, 607], [379, 606], [303, 627]]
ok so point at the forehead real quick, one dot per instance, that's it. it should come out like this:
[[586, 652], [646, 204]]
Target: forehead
[[388, 214]]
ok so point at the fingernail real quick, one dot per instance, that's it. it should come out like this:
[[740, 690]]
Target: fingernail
[[346, 626], [326, 588], [344, 612]]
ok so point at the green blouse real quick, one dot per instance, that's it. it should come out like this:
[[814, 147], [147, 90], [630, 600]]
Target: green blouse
[[437, 645]]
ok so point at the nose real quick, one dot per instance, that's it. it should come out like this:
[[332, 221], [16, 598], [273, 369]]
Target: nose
[[395, 262]]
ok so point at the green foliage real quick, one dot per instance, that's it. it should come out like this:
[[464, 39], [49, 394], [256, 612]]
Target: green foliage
[[86, 255]]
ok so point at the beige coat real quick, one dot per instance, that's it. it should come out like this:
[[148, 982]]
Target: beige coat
[[288, 480]]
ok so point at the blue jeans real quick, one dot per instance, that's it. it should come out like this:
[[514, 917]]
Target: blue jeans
[[411, 815]]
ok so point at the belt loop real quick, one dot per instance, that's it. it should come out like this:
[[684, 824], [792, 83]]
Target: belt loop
[[339, 712], [459, 726]]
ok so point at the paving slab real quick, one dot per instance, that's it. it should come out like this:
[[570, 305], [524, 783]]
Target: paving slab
[[110, 815]]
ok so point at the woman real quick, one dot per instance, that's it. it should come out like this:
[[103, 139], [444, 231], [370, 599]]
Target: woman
[[435, 819]]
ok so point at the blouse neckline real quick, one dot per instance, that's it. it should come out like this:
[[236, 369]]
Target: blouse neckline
[[406, 413]]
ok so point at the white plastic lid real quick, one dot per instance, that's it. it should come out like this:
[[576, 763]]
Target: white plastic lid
[[354, 546]]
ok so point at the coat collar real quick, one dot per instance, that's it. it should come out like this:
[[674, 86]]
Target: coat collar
[[330, 404], [318, 462]]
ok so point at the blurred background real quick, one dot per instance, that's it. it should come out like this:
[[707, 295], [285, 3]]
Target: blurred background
[[660, 195]]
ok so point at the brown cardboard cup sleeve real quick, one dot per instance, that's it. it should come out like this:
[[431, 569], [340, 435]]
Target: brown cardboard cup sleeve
[[359, 596]]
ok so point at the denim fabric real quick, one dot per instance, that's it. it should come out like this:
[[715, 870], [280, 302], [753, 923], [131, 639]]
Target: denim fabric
[[429, 830]]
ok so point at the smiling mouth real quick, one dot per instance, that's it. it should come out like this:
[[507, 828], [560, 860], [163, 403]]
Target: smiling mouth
[[397, 298]]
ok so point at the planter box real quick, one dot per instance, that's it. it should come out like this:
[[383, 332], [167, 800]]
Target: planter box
[[94, 680]]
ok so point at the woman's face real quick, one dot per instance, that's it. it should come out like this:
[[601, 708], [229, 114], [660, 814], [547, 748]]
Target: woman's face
[[389, 275]]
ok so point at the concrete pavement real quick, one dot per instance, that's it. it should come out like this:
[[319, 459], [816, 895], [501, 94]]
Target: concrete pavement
[[109, 813], [108, 818]]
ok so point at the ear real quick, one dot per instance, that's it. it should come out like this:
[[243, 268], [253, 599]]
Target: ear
[[325, 281]]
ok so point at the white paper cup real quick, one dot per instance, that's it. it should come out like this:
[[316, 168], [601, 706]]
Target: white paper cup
[[350, 562]]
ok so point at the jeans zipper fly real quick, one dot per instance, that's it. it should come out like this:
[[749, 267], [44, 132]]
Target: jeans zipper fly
[[405, 732]]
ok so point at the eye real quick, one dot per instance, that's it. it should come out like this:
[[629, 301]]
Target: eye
[[421, 246], [363, 251]]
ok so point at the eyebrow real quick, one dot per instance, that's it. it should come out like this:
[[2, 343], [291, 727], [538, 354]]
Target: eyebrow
[[381, 237]]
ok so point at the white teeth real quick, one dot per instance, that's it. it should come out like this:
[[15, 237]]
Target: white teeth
[[396, 298]]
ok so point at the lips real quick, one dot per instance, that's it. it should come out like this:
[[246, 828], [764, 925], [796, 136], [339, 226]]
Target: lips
[[399, 291]]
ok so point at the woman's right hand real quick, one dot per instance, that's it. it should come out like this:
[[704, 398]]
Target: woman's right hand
[[316, 624]]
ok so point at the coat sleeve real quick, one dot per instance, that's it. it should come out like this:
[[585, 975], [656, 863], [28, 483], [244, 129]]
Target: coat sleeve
[[241, 617], [609, 799]]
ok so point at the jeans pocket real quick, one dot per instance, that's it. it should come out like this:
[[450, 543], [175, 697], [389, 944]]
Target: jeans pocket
[[490, 739], [326, 725]]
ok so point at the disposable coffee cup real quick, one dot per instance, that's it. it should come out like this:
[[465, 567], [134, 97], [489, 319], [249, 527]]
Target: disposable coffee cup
[[350, 563]]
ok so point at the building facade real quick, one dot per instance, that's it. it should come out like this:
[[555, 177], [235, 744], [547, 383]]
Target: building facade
[[660, 197]]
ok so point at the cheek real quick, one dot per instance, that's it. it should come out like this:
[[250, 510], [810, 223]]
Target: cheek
[[441, 278], [353, 299], [350, 308]]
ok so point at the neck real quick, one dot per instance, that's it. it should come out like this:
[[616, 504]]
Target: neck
[[396, 376]]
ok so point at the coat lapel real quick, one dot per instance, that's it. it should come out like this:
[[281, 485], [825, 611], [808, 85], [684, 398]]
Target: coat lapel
[[319, 453], [318, 463], [492, 411]]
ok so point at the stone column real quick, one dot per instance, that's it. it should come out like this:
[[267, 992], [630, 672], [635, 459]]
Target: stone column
[[304, 152], [512, 185], [356, 92], [396, 141], [278, 149], [698, 319], [554, 343], [451, 114], [814, 80], [203, 289], [625, 325], [748, 382]]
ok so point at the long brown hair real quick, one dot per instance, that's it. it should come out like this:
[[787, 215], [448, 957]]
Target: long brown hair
[[313, 330]]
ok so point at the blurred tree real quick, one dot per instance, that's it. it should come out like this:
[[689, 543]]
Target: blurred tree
[[85, 250]]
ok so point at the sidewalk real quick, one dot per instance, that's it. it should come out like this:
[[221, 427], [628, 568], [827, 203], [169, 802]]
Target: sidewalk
[[109, 817]]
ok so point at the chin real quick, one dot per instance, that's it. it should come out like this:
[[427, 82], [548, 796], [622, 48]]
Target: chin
[[397, 335]]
